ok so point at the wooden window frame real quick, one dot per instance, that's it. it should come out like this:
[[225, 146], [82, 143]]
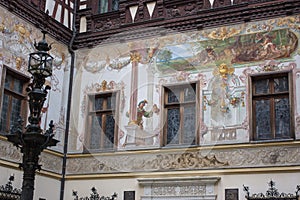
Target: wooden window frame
[[272, 95], [103, 113], [181, 106], [11, 93]]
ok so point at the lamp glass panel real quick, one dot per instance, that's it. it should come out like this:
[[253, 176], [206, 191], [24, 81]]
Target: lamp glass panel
[[40, 63], [34, 63]]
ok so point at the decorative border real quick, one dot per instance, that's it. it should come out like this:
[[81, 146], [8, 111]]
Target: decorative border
[[196, 159]]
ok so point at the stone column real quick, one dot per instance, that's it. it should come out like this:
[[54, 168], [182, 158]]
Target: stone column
[[135, 57], [132, 127]]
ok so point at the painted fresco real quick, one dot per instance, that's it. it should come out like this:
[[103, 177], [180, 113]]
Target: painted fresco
[[219, 59], [17, 39], [236, 50], [236, 45]]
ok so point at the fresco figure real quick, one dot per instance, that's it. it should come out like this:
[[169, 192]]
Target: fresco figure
[[226, 45], [141, 112], [269, 47], [259, 46]]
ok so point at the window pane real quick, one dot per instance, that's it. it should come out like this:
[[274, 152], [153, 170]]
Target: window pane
[[103, 6], [16, 110], [189, 125], [263, 123], [173, 95], [173, 123], [99, 104], [18, 86], [109, 132], [8, 81], [261, 86], [111, 102], [281, 84], [96, 132], [115, 5], [282, 115], [189, 93], [4, 113]]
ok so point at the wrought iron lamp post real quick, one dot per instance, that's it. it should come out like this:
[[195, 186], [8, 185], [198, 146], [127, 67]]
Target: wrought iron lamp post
[[32, 141]]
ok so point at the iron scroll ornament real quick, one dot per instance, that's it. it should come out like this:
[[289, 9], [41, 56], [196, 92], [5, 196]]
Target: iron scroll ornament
[[94, 195], [272, 193], [8, 192]]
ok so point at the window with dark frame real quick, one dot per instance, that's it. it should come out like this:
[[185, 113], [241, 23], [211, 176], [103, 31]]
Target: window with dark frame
[[231, 194], [14, 99], [129, 195], [102, 126], [105, 6], [180, 105], [271, 107]]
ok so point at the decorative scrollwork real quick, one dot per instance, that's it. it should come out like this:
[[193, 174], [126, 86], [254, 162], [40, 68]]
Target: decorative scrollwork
[[94, 196], [272, 193], [8, 192]]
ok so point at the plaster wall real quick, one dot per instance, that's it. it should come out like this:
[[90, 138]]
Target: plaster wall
[[45, 187], [114, 63], [284, 182], [141, 69], [16, 42], [17, 39]]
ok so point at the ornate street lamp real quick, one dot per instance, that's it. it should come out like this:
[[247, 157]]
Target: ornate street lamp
[[32, 141]]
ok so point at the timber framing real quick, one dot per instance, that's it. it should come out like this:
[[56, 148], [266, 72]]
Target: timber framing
[[169, 16], [165, 20]]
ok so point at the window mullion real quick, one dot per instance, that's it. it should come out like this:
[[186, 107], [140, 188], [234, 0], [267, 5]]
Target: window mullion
[[104, 104], [254, 134], [271, 86], [165, 126], [180, 131], [272, 107], [181, 108], [15, 94], [9, 112], [109, 6], [272, 116], [12, 83]]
